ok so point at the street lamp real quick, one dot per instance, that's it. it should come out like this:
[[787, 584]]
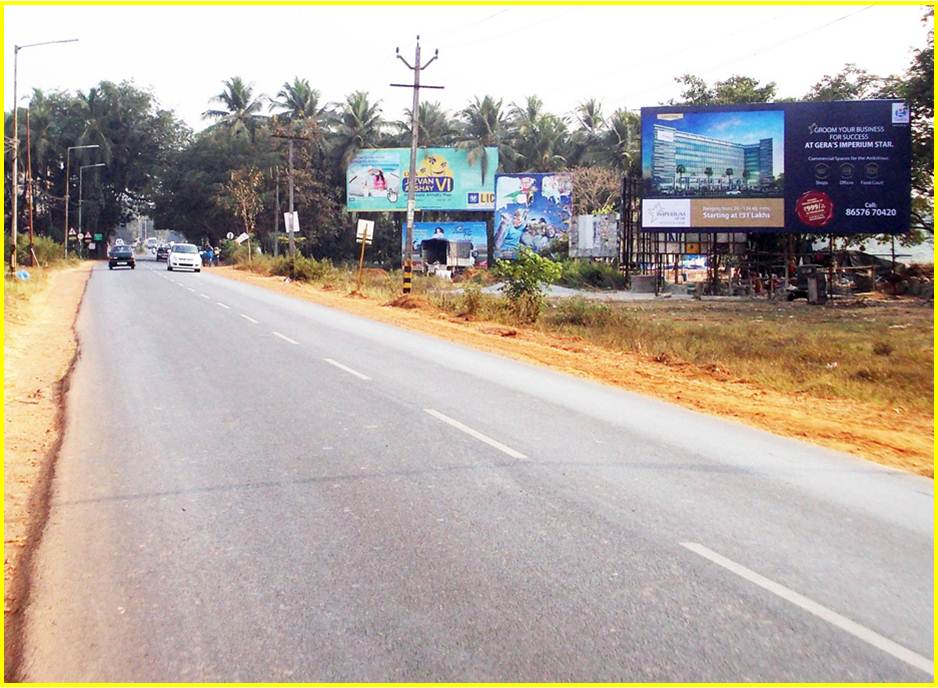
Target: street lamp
[[68, 184], [81, 171], [16, 139]]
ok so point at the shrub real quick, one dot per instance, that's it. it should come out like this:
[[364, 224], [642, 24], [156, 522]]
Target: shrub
[[580, 313], [471, 300], [882, 348], [587, 273], [525, 278]]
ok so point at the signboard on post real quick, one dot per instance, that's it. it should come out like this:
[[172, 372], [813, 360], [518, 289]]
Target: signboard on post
[[230, 235], [242, 237], [87, 237], [291, 221], [365, 231], [532, 210], [817, 167], [376, 180]]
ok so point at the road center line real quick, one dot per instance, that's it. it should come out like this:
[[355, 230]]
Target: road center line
[[248, 318], [346, 369], [284, 337], [475, 433], [843, 623], [205, 296], [223, 305], [191, 289]]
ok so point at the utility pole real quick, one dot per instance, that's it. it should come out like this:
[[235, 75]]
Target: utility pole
[[277, 214], [16, 141], [407, 257], [291, 139], [68, 185]]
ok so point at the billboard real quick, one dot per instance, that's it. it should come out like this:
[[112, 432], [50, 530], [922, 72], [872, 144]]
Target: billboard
[[824, 167], [376, 180], [532, 210], [594, 236], [470, 235]]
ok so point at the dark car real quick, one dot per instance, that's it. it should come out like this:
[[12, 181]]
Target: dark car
[[122, 255], [162, 253]]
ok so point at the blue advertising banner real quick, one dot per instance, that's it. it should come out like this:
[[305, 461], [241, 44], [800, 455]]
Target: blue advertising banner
[[532, 210], [376, 180], [469, 244], [819, 167]]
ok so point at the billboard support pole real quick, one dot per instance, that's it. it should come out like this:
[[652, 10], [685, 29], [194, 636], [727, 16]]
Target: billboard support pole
[[408, 256]]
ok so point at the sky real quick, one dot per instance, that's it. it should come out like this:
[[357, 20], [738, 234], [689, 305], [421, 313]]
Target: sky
[[627, 56]]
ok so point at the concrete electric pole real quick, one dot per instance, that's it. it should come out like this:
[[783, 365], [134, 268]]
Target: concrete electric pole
[[416, 68]]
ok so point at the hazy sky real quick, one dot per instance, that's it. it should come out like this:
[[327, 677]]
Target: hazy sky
[[626, 56]]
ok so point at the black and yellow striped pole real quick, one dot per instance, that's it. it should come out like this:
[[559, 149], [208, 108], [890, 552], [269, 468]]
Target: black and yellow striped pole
[[411, 180]]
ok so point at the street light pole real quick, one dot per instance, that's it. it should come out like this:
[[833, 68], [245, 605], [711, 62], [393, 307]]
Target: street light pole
[[68, 185], [412, 177], [16, 140], [81, 172]]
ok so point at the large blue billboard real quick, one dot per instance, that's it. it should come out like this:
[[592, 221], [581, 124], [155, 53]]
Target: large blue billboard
[[473, 236], [821, 167], [532, 210]]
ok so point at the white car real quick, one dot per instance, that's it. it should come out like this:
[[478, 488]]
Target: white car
[[184, 257]]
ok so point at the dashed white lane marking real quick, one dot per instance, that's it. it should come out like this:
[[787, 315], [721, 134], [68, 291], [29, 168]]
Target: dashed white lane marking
[[284, 337], [205, 296], [248, 318], [191, 289], [475, 433], [346, 369], [843, 623], [223, 305]]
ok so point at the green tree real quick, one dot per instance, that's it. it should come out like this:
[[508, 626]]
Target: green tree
[[587, 139], [622, 143], [735, 89], [356, 125], [434, 126], [298, 100], [485, 126], [241, 111]]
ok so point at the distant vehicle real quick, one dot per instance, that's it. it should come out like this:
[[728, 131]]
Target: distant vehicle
[[121, 255], [734, 192], [162, 253], [184, 256], [152, 243]]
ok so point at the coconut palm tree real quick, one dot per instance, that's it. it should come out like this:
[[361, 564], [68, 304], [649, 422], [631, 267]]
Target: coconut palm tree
[[680, 169], [241, 109], [298, 100], [434, 126], [621, 142], [357, 124], [93, 113], [544, 148], [587, 138], [485, 126]]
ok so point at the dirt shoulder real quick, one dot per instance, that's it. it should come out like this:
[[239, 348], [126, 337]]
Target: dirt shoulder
[[39, 349], [869, 431]]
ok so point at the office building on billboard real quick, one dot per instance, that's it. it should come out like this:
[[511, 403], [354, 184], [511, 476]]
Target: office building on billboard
[[685, 161]]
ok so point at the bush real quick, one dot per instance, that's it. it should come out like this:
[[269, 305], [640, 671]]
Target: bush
[[580, 313], [301, 268], [525, 278], [586, 273], [471, 300], [48, 251]]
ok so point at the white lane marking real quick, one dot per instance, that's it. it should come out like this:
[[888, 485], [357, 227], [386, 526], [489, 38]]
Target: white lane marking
[[284, 337], [191, 289], [843, 623], [346, 369], [205, 296], [248, 318], [223, 305], [475, 433]]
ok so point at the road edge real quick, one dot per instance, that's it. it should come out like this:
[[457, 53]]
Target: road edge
[[38, 504]]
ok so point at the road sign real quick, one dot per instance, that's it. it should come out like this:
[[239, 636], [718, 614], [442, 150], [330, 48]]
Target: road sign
[[92, 246], [365, 232], [99, 237], [71, 232], [291, 222], [230, 235], [241, 238], [87, 237]]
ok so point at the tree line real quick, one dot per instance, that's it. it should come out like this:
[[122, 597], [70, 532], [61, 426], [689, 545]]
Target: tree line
[[156, 165]]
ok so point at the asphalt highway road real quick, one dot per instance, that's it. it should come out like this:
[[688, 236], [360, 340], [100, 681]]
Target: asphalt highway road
[[255, 488]]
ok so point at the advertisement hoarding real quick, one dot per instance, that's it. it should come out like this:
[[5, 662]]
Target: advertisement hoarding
[[470, 238], [594, 236], [820, 167], [376, 180], [532, 210]]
